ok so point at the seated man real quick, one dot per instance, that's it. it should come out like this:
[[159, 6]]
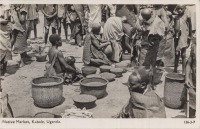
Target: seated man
[[92, 52], [143, 102], [60, 64]]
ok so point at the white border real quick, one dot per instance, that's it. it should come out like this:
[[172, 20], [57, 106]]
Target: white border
[[117, 123]]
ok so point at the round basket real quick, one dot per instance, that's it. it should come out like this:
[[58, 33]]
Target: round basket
[[93, 75], [47, 91], [105, 68], [109, 76], [46, 115], [88, 70], [158, 74], [24, 116], [117, 71], [173, 90], [94, 86], [126, 56], [41, 57], [84, 100], [122, 65]]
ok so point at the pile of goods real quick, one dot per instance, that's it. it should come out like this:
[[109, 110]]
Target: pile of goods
[[76, 113]]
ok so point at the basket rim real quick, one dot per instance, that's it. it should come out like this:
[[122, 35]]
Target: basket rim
[[44, 112], [174, 78], [61, 82], [83, 84], [93, 97]]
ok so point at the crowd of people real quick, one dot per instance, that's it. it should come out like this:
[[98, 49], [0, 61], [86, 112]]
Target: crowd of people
[[154, 35]]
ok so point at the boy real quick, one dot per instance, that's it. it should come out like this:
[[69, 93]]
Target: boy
[[183, 31]]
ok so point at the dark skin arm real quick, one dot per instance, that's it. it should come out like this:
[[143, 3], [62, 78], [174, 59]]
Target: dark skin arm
[[64, 63], [96, 44], [190, 26], [188, 70], [21, 16]]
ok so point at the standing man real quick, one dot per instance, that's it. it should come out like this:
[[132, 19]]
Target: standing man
[[50, 19]]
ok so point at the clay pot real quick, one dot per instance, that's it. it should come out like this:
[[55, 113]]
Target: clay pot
[[87, 70], [94, 86], [105, 68], [84, 100], [117, 71]]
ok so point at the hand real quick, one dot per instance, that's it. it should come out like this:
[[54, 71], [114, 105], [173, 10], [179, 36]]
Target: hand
[[151, 43], [189, 83]]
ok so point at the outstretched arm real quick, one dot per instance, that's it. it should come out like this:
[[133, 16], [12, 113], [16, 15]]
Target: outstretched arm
[[64, 63]]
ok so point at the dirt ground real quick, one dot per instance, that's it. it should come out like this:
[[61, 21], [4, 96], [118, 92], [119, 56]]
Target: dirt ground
[[18, 86]]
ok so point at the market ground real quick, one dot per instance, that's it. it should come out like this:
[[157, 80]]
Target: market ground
[[18, 86]]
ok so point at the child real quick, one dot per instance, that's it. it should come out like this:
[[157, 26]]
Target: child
[[183, 31], [50, 19]]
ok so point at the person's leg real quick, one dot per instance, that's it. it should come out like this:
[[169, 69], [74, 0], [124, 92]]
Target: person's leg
[[53, 30], [29, 29], [59, 26], [65, 26], [78, 39], [183, 56], [35, 29], [46, 34], [177, 55], [22, 61], [2, 67]]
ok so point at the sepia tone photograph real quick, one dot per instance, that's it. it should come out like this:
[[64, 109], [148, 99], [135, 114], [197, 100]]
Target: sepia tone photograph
[[97, 61]]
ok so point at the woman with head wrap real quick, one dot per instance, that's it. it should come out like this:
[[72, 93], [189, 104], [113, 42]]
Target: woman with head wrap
[[143, 102], [92, 52]]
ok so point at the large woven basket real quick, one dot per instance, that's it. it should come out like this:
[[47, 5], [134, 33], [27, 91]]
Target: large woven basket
[[47, 91], [98, 89], [173, 90]]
